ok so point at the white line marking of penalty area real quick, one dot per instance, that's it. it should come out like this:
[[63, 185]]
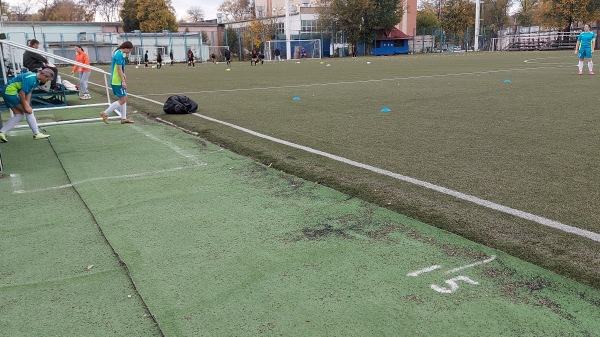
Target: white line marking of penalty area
[[424, 270], [125, 176], [482, 202], [350, 82], [174, 147]]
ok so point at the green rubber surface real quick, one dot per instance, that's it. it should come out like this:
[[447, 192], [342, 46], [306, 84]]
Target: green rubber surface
[[216, 244]]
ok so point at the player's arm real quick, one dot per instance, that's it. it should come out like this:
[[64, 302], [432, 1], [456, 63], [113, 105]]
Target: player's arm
[[24, 98], [577, 46], [593, 44], [122, 76]]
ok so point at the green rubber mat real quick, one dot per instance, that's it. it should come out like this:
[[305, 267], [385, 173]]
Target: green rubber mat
[[106, 227]]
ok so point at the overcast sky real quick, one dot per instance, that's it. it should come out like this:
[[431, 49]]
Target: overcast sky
[[181, 7], [209, 7]]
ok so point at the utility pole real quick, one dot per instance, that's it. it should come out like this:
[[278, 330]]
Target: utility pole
[[477, 18]]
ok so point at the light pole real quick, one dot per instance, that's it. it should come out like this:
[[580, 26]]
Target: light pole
[[477, 16]]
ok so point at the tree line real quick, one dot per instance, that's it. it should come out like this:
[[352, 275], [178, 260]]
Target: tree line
[[454, 16], [359, 19]]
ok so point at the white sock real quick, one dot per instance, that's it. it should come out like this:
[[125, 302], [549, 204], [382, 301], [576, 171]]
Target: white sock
[[32, 123], [591, 66], [580, 66], [11, 122], [124, 110], [111, 108]]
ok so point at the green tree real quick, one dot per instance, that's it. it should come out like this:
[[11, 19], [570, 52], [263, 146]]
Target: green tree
[[129, 15], [205, 38], [527, 14], [361, 19], [232, 40], [495, 13], [457, 16], [563, 13], [427, 20], [156, 15]]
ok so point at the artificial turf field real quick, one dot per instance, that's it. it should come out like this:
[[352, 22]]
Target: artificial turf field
[[217, 244]]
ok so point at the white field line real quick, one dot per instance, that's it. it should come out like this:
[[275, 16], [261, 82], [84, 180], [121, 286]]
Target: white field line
[[437, 188], [424, 270], [354, 82], [172, 146], [125, 176], [16, 181], [482, 202], [471, 265]]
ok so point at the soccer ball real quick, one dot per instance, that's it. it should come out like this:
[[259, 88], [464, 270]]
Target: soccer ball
[[227, 69]]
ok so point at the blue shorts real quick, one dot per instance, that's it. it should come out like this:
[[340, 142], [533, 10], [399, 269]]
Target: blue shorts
[[119, 91], [11, 100], [585, 53]]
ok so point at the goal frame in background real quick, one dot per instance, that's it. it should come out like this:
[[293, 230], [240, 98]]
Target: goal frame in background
[[218, 51], [313, 47]]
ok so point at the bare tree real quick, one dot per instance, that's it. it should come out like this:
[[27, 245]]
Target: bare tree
[[21, 11], [44, 9], [236, 10], [195, 14]]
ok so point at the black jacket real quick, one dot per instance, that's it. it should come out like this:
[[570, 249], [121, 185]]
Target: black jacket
[[33, 61], [179, 105]]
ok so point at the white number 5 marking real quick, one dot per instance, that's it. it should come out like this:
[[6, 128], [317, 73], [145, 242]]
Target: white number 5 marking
[[452, 283]]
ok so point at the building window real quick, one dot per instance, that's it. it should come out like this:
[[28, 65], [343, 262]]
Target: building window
[[308, 25], [280, 28]]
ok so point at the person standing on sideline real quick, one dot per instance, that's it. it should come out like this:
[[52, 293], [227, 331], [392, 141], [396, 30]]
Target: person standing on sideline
[[17, 97], [213, 57], [146, 60], [277, 54], [191, 58], [117, 81], [159, 60], [35, 62], [84, 73], [171, 56], [585, 48], [227, 55]]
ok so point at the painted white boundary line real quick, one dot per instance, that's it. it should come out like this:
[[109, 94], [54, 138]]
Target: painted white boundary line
[[125, 176], [504, 209], [471, 265], [424, 270], [355, 82], [172, 146]]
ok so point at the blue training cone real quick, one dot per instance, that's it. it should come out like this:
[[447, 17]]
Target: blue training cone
[[296, 98], [506, 81], [385, 110]]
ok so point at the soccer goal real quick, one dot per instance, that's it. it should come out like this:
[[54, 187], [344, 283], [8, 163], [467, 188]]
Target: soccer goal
[[310, 49], [219, 52]]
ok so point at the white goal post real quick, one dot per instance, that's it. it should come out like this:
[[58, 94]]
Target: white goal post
[[310, 49]]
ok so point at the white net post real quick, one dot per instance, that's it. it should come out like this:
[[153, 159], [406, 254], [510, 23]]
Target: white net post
[[310, 49]]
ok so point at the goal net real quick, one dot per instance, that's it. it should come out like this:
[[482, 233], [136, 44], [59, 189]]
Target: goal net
[[299, 49], [218, 51]]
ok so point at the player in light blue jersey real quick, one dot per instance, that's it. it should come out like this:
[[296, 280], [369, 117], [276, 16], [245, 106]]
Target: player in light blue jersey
[[117, 82], [585, 47], [17, 97]]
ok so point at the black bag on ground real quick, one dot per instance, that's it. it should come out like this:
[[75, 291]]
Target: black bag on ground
[[179, 105]]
